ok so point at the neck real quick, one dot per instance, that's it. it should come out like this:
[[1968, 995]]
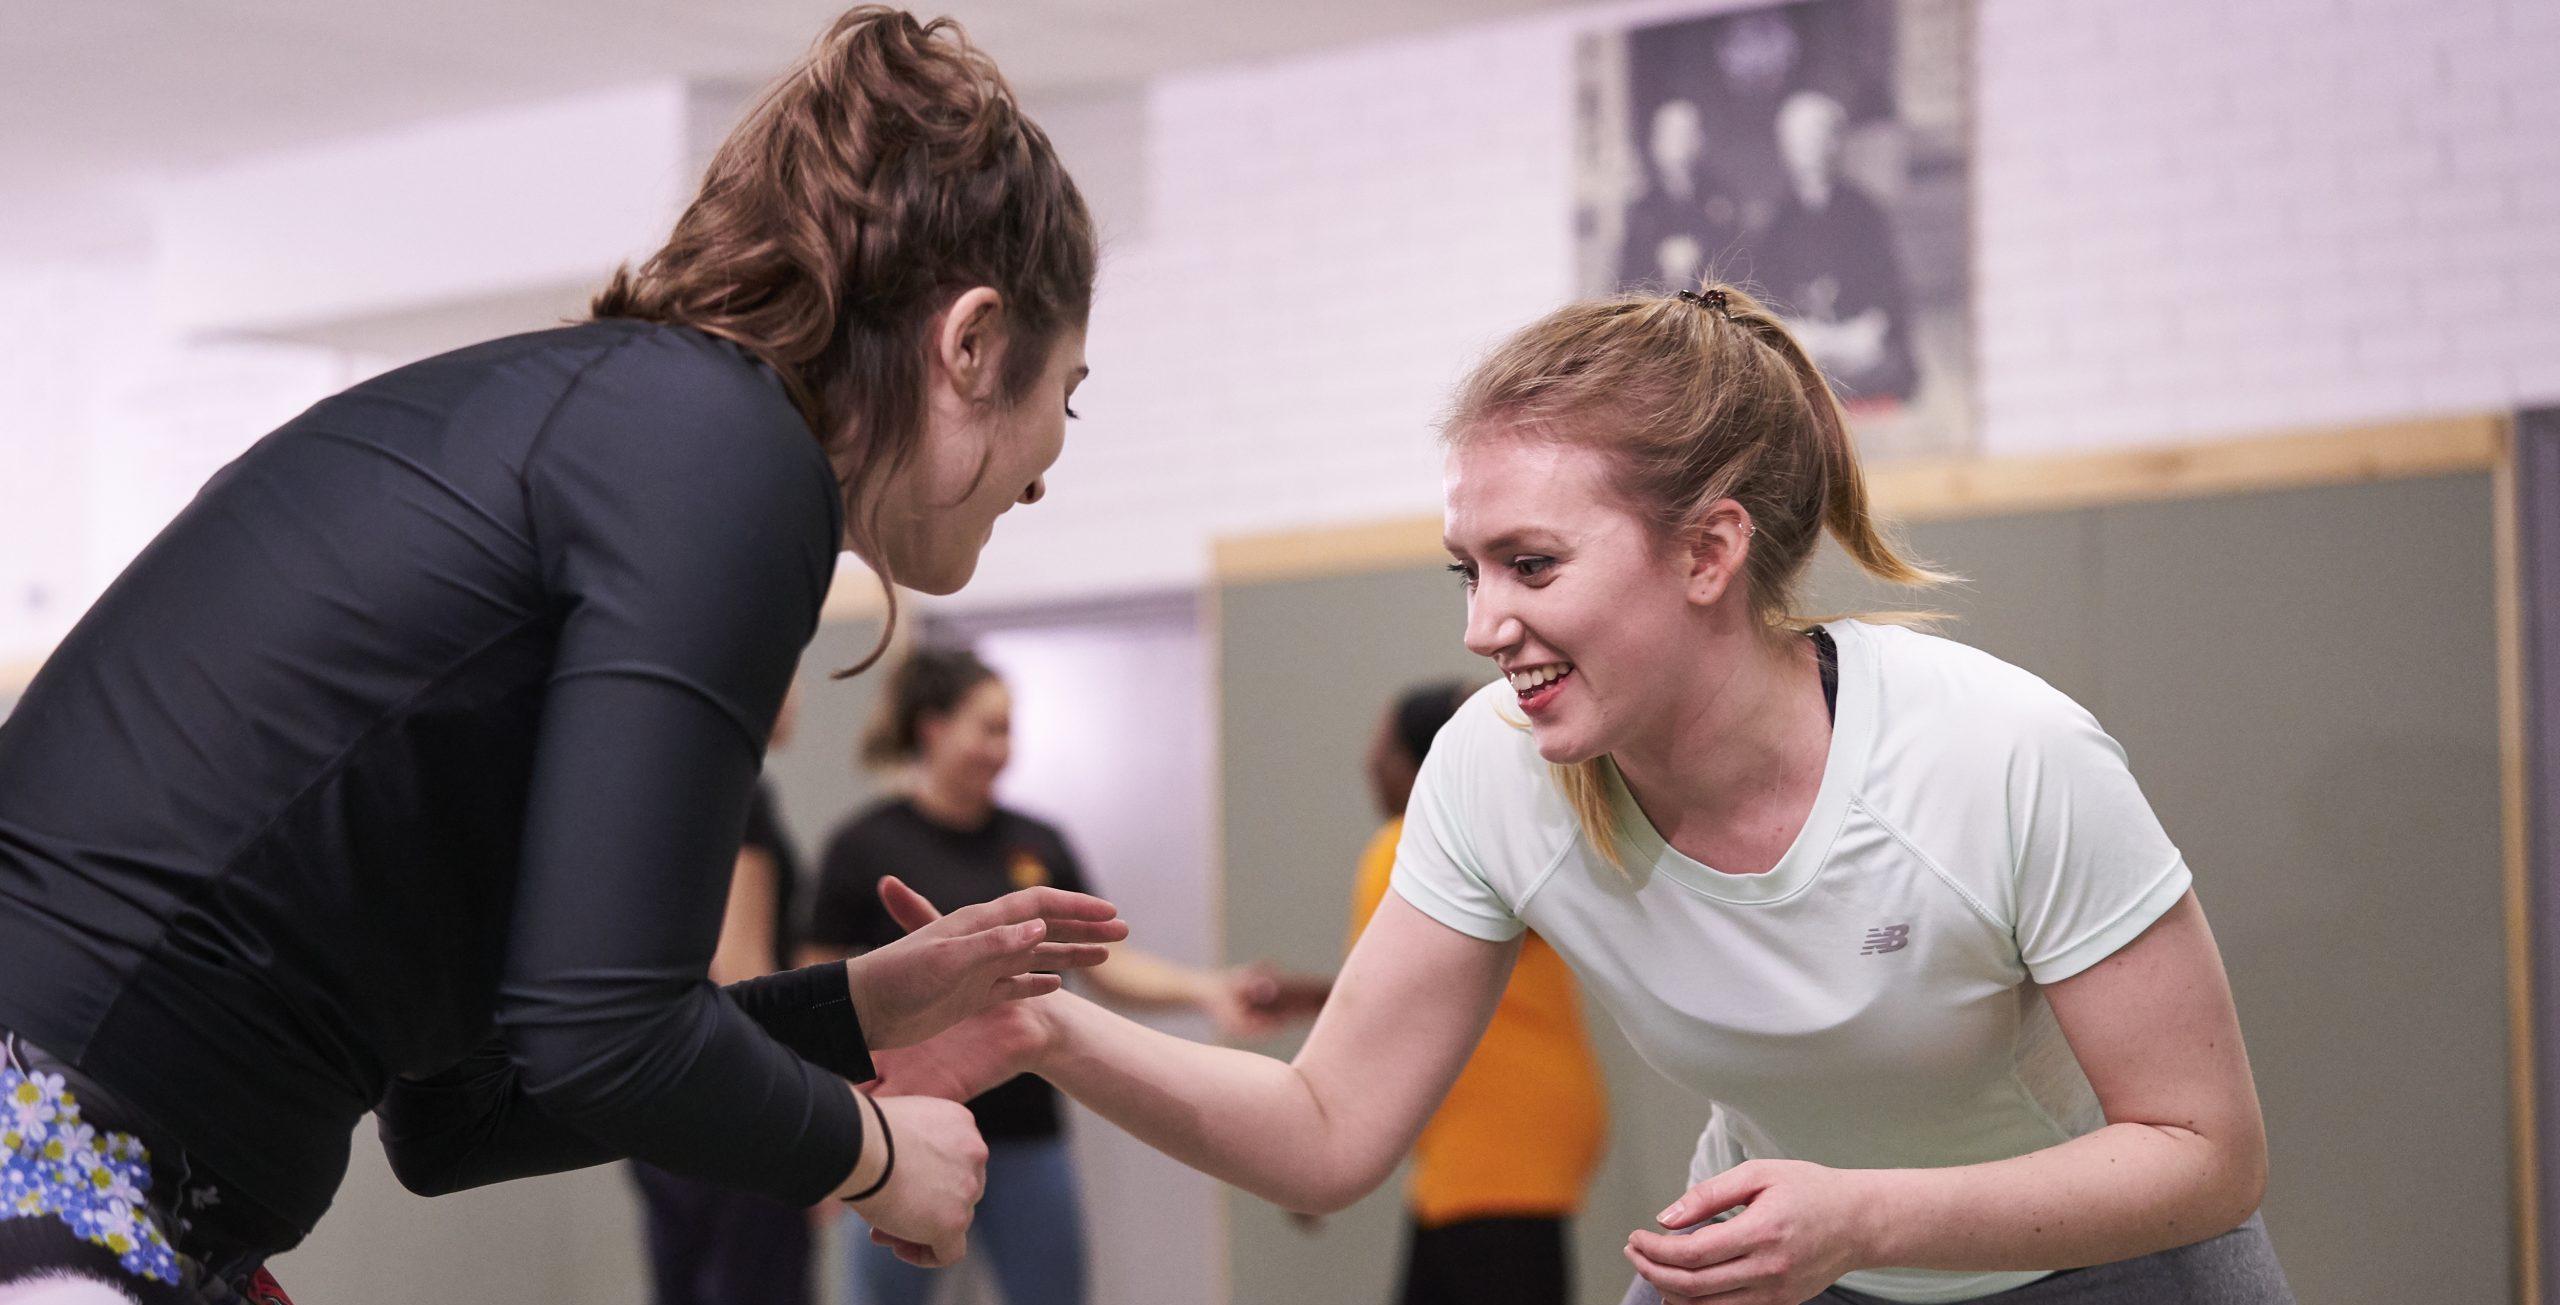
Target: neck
[[946, 803], [1750, 726]]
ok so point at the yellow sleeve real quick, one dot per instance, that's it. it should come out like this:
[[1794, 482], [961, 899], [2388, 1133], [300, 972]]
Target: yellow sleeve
[[1377, 865]]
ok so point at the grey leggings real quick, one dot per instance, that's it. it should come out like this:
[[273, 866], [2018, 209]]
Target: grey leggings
[[2237, 1268]]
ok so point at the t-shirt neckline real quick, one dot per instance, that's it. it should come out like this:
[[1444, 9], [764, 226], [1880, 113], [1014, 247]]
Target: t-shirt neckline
[[1852, 733]]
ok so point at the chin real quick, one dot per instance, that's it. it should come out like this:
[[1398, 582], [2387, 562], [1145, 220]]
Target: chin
[[1563, 746], [942, 581]]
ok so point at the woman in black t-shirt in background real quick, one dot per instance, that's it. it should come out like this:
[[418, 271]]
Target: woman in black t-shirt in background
[[947, 720]]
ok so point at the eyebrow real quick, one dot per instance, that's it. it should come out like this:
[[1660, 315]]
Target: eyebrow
[[1526, 537]]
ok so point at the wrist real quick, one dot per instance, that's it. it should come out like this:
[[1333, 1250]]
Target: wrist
[[1051, 1018], [871, 1164], [1886, 1202]]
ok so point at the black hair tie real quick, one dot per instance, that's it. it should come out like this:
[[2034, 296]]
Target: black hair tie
[[1714, 301]]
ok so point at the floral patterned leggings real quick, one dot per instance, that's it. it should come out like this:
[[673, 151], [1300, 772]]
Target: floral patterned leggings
[[81, 1218]]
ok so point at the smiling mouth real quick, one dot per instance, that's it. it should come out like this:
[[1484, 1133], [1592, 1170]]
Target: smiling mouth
[[1538, 685]]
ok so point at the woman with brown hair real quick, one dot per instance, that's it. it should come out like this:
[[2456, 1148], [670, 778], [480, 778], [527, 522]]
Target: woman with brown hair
[[1896, 908], [404, 771], [944, 726]]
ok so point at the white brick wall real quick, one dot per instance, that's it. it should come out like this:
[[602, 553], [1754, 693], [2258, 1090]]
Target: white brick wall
[[2194, 218], [2199, 218]]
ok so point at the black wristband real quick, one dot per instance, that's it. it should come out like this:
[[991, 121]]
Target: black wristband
[[810, 1010], [888, 1141]]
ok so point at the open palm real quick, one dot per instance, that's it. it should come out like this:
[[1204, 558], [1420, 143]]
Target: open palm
[[954, 967]]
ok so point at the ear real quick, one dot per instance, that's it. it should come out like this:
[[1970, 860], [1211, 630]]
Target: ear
[[968, 342], [1718, 546]]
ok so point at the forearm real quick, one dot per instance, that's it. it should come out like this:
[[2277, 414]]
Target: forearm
[[473, 1123], [1245, 1119], [1136, 980], [2123, 1191]]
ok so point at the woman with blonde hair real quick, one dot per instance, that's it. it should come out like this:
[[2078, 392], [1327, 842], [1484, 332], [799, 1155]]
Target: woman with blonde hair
[[1897, 908], [405, 770]]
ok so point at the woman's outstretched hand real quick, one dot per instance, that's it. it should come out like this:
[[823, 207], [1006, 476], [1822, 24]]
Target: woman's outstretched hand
[[954, 966], [1003, 1039]]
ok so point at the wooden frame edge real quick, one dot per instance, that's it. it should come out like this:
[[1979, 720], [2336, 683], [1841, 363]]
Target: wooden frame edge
[[2524, 1106], [1936, 490]]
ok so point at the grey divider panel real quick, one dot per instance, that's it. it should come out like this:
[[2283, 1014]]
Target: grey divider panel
[[2537, 490], [2304, 680], [572, 1238], [816, 779]]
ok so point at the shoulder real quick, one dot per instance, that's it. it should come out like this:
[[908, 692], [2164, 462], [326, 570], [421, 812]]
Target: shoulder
[[868, 828], [669, 414], [1485, 781], [1940, 696]]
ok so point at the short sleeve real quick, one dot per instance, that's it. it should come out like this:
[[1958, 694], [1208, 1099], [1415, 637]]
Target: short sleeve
[[1437, 866], [846, 912], [2093, 868], [1065, 870]]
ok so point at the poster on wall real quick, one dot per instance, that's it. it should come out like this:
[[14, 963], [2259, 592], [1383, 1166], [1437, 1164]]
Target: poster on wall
[[1817, 153]]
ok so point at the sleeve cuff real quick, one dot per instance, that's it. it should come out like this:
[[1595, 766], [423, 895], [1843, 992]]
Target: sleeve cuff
[[1474, 924], [2128, 925]]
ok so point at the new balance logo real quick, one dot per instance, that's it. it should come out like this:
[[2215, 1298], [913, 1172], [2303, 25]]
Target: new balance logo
[[1891, 938]]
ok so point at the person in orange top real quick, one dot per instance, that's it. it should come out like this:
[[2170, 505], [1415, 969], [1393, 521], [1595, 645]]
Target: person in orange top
[[1489, 1199]]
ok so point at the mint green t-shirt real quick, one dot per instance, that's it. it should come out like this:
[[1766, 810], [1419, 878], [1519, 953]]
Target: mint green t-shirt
[[1874, 1000]]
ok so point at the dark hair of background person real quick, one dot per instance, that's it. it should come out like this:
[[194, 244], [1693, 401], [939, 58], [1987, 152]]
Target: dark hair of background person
[[930, 682], [1422, 710], [886, 173]]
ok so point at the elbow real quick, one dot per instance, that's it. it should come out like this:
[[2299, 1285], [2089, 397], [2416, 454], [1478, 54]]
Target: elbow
[[421, 1175], [424, 1162], [1333, 1193], [2247, 1180], [583, 1066]]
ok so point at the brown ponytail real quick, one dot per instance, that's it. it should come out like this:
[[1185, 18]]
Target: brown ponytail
[[886, 173], [1699, 398]]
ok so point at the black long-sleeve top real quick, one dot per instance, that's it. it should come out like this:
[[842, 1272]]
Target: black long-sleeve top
[[408, 766]]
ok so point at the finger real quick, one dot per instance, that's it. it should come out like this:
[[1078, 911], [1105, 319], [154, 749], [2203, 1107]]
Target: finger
[[1682, 1286], [1712, 1244], [1030, 903], [1735, 1186], [1018, 986], [1068, 956], [906, 906], [1007, 948], [1088, 931]]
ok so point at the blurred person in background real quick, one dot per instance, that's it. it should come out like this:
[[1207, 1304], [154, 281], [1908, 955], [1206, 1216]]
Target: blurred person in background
[[945, 725], [1488, 1202]]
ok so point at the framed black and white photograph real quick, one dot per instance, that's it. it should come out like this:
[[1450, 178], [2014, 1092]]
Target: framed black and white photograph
[[1817, 154]]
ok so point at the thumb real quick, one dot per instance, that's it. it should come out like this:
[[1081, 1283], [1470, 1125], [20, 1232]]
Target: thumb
[[1735, 1186], [906, 906]]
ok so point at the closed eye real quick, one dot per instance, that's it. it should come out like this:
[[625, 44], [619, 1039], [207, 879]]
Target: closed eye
[[1466, 574]]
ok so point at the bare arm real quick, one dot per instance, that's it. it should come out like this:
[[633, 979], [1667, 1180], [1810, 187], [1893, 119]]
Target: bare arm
[[1321, 1131], [2182, 1158]]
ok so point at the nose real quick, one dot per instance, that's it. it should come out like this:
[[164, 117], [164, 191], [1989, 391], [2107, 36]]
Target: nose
[[1037, 490], [1490, 628]]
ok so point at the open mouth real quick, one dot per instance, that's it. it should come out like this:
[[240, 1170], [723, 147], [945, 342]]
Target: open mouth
[[1538, 686]]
